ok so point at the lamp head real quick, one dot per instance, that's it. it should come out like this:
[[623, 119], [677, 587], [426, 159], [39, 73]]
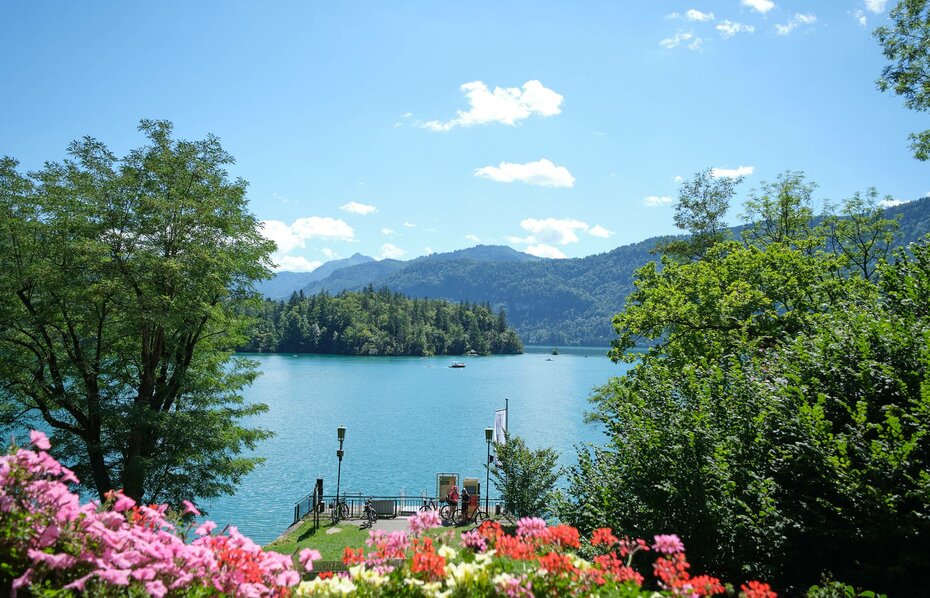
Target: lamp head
[[488, 434], [341, 433]]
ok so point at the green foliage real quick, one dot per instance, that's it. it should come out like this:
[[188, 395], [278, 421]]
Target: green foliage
[[380, 322], [120, 298], [906, 43], [524, 477], [702, 204], [785, 404]]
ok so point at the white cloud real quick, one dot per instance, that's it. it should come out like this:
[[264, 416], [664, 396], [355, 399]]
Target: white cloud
[[391, 251], [542, 172], [409, 224], [362, 209], [730, 173], [407, 114], [552, 230], [472, 238], [696, 15], [329, 253], [876, 6], [505, 105], [860, 17], [686, 38], [428, 250], [599, 231], [762, 6], [543, 250], [728, 29], [655, 201], [291, 236], [295, 263], [890, 203], [796, 21], [521, 240], [387, 231], [678, 178]]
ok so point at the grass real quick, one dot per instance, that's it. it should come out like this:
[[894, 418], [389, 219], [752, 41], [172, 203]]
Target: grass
[[330, 543]]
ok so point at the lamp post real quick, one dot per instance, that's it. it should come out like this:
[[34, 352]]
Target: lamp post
[[488, 435], [341, 435]]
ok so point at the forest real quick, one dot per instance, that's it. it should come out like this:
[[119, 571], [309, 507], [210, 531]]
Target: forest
[[382, 322]]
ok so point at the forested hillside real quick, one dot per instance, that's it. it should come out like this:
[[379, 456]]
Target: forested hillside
[[380, 322], [559, 302]]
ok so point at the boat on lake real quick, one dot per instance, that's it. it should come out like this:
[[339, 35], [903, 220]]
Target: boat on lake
[[457, 364]]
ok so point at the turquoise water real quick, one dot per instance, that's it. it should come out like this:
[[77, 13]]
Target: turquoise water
[[407, 418]]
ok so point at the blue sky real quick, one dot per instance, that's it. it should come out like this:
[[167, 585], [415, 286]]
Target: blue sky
[[399, 129]]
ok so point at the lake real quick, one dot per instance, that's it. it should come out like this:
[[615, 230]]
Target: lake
[[407, 418]]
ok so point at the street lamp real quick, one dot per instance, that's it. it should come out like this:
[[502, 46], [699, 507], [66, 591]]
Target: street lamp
[[488, 435], [341, 435]]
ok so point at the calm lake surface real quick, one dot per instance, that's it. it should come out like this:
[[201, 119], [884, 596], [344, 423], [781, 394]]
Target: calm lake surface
[[407, 418]]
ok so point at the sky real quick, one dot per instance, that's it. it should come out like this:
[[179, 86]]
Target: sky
[[399, 129]]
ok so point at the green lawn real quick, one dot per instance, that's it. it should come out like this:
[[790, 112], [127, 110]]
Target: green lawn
[[330, 543]]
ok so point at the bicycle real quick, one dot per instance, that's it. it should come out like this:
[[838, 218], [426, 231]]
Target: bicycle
[[429, 504], [478, 516], [338, 509], [370, 515]]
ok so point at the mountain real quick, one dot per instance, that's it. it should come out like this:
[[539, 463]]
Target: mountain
[[285, 283], [553, 302]]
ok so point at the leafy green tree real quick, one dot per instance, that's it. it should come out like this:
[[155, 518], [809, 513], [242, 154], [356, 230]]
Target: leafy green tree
[[861, 233], [906, 43], [524, 477], [781, 212], [120, 301], [702, 205], [783, 403]]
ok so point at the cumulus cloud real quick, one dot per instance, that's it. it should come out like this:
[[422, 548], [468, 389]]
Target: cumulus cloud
[[295, 263], [685, 38], [291, 236], [655, 201], [678, 178], [409, 224], [472, 238], [505, 105], [696, 15], [876, 6], [362, 209], [542, 250], [329, 253], [599, 231], [387, 231], [762, 6], [542, 172], [391, 251], [730, 173], [554, 231], [796, 21], [728, 28], [860, 17], [890, 203]]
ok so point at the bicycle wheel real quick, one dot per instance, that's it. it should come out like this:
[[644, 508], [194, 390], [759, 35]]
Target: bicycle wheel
[[446, 513], [343, 511], [481, 516]]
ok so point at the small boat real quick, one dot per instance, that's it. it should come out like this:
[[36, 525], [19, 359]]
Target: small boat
[[457, 364]]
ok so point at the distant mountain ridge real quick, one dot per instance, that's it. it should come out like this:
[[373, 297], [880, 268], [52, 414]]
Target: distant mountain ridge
[[285, 283], [547, 301]]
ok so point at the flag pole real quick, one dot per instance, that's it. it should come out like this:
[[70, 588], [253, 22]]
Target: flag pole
[[507, 416]]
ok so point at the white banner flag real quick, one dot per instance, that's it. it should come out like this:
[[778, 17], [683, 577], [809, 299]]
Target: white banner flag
[[500, 425]]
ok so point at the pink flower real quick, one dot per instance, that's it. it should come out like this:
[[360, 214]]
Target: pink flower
[[531, 527], [156, 588], [123, 503], [190, 509], [39, 440], [287, 578], [205, 528], [474, 540], [668, 544], [307, 556], [423, 521]]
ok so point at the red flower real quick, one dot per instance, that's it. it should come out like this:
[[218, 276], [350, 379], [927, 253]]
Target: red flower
[[325, 574], [491, 530], [352, 557], [557, 563], [515, 548], [757, 589], [563, 535], [426, 561], [603, 535]]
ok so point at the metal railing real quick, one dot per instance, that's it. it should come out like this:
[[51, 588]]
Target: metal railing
[[387, 506]]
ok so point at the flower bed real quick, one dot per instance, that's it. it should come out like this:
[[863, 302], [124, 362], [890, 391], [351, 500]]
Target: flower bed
[[49, 542]]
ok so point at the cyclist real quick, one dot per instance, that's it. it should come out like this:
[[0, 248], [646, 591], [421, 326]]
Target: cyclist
[[453, 498], [466, 502]]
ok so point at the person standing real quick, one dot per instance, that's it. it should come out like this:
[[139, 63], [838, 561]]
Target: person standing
[[466, 502]]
